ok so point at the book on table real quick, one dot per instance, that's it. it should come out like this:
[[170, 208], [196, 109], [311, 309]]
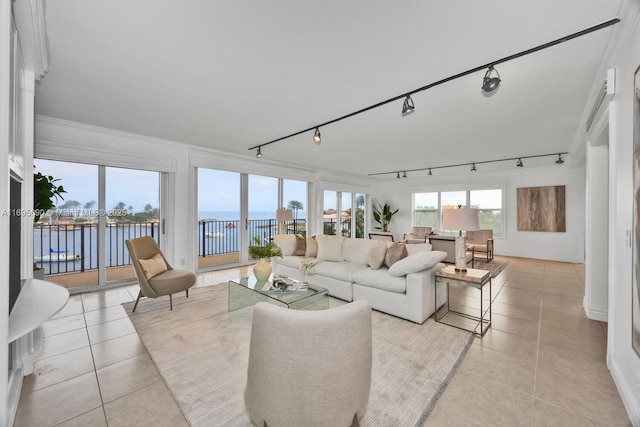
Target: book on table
[[284, 284]]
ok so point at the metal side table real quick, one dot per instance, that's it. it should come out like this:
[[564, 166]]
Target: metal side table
[[470, 278]]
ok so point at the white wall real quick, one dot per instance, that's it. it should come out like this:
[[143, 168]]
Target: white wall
[[567, 246], [623, 362], [597, 232]]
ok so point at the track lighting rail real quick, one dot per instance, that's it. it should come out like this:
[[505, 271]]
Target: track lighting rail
[[580, 33], [472, 164]]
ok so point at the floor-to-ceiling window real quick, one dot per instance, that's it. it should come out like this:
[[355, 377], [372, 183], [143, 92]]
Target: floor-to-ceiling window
[[344, 213], [100, 204], [219, 223], [235, 208]]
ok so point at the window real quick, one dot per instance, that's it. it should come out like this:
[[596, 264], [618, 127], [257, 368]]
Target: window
[[425, 212], [427, 207], [489, 205]]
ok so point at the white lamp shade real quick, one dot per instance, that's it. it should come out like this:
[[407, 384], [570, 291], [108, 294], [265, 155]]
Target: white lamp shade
[[462, 219], [284, 214]]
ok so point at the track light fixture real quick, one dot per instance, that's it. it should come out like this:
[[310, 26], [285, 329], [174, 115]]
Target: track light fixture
[[316, 136], [259, 153], [407, 107], [490, 84], [473, 165]]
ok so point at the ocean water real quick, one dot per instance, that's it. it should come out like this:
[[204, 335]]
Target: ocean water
[[235, 215]]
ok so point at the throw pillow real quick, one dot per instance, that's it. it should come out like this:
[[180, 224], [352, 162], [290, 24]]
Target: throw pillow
[[416, 262], [375, 257], [286, 242], [301, 245], [312, 247], [414, 248], [153, 266], [395, 253], [330, 248]]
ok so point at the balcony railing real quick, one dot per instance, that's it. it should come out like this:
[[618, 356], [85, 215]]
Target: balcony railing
[[68, 248]]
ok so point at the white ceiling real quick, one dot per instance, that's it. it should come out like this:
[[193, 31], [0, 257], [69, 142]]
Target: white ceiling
[[234, 74]]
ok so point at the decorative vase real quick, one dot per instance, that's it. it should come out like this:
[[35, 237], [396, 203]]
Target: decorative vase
[[262, 270]]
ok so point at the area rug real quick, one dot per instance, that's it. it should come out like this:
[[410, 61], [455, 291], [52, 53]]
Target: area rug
[[201, 351], [494, 266]]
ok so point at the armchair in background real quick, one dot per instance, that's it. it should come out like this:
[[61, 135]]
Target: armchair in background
[[481, 241], [418, 234]]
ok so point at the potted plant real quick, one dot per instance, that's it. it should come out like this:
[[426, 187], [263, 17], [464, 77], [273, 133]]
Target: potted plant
[[45, 192], [263, 253], [382, 214]]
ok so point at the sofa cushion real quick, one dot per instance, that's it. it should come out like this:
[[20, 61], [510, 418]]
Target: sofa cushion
[[395, 253], [380, 279], [292, 260], [286, 242], [357, 250], [312, 247], [330, 248], [376, 255], [418, 247], [338, 270], [301, 245], [416, 262]]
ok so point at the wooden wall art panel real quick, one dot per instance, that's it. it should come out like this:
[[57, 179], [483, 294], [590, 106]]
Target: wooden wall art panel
[[541, 208]]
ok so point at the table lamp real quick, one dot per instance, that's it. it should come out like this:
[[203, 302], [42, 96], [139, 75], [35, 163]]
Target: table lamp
[[283, 215], [461, 219]]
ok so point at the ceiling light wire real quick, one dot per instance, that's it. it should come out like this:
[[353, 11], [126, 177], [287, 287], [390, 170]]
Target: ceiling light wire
[[566, 38]]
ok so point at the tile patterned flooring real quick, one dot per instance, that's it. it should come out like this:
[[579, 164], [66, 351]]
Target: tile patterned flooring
[[542, 363]]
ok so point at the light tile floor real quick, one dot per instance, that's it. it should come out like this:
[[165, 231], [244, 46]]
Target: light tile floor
[[541, 363]]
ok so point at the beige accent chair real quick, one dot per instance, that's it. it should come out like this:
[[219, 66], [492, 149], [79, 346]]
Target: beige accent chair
[[418, 234], [481, 241], [309, 368], [148, 260]]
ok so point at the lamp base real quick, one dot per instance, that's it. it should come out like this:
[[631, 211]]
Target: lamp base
[[461, 253]]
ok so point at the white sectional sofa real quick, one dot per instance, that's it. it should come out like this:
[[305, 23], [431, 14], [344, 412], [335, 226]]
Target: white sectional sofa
[[349, 269]]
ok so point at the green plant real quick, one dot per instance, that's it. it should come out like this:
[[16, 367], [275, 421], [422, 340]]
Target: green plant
[[257, 250], [45, 191], [382, 214]]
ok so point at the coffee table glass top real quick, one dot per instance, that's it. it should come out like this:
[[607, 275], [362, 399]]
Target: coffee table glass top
[[247, 291]]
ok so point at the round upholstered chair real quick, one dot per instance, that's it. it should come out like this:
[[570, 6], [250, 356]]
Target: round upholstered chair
[[309, 368]]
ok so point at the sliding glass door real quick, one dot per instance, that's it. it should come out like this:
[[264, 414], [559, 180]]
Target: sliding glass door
[[81, 242], [132, 201], [219, 225]]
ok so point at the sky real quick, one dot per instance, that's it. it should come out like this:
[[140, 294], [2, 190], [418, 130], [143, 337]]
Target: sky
[[217, 190]]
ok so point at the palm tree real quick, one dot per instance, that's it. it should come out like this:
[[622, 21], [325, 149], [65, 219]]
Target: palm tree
[[90, 205], [295, 206]]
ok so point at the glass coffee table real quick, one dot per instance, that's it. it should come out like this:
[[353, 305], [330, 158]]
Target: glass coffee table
[[247, 291]]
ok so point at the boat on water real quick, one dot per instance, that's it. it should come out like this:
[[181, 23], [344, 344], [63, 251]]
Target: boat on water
[[56, 256], [214, 234]]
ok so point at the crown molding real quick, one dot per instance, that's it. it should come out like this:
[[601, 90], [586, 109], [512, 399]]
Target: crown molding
[[29, 17]]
